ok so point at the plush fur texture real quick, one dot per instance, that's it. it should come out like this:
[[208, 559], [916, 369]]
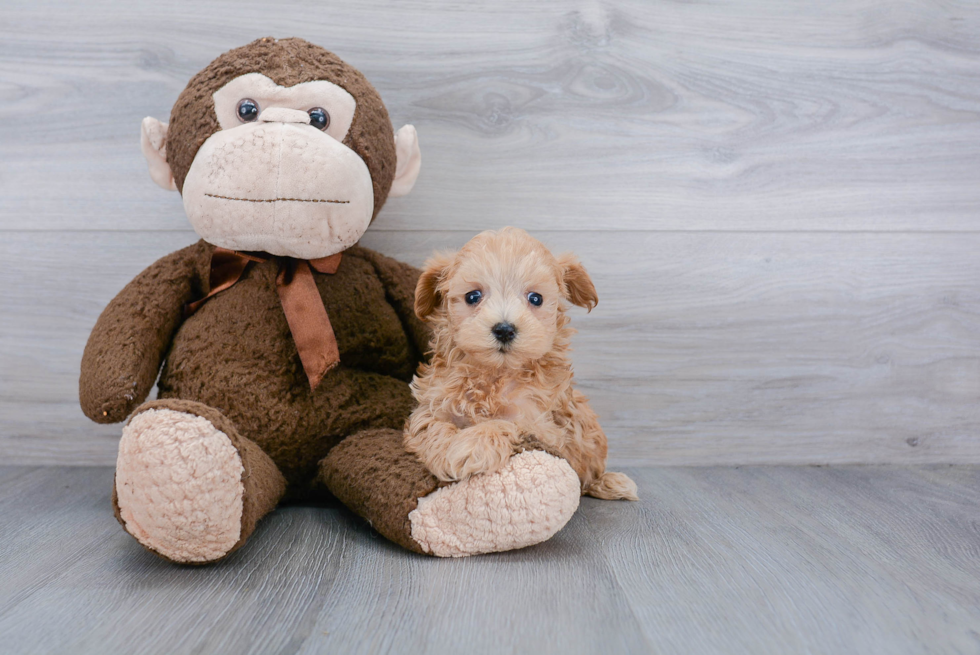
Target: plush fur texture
[[193, 465], [234, 364], [479, 397], [237, 426], [530, 499], [188, 487], [236, 354], [276, 184], [286, 62], [371, 474]]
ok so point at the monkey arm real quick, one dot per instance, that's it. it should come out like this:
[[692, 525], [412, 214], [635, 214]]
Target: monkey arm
[[123, 355], [399, 280]]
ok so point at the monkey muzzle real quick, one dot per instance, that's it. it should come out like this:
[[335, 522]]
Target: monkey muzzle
[[281, 186]]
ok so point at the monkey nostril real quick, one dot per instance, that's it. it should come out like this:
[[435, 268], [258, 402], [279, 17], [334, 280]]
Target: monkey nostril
[[504, 332]]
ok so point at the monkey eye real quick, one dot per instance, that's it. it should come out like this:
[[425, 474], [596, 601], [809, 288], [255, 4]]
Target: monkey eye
[[319, 118], [248, 110], [473, 297], [535, 299]]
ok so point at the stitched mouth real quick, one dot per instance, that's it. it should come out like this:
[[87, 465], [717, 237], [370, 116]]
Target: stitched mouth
[[336, 202]]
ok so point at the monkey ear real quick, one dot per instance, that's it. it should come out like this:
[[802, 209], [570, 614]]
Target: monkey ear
[[427, 295], [409, 161], [153, 143], [579, 289]]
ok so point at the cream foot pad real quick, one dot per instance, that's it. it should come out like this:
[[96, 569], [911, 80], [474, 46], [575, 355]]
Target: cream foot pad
[[179, 485], [523, 504]]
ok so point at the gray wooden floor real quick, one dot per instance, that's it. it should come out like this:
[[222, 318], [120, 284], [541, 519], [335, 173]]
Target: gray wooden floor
[[712, 560]]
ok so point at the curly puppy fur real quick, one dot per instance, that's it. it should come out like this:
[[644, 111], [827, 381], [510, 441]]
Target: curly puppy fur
[[482, 398]]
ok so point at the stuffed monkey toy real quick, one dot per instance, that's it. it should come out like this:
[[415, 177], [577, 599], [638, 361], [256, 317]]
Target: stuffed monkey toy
[[284, 349]]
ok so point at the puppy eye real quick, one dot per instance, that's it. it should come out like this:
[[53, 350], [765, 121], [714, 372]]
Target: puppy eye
[[319, 118], [248, 110], [535, 299], [473, 297]]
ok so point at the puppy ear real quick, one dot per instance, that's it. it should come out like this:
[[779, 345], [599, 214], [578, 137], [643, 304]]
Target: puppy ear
[[427, 295], [579, 289]]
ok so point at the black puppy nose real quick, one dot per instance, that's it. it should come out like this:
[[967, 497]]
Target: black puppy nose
[[504, 332]]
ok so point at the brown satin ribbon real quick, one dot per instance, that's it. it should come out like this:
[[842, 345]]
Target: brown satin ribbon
[[301, 302]]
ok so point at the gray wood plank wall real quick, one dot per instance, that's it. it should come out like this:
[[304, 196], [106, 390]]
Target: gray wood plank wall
[[778, 201]]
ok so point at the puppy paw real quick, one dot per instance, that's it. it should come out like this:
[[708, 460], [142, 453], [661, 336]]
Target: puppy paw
[[482, 448]]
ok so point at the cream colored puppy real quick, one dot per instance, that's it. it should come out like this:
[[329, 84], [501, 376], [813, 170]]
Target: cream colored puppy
[[500, 376]]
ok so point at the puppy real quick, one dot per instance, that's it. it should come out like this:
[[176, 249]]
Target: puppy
[[500, 377]]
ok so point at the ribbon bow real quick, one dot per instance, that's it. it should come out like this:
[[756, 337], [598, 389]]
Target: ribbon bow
[[301, 302]]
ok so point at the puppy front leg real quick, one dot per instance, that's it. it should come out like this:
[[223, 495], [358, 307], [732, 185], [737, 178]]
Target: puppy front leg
[[428, 439], [481, 448], [455, 454]]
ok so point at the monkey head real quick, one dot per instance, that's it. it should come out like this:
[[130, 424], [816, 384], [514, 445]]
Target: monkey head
[[280, 146]]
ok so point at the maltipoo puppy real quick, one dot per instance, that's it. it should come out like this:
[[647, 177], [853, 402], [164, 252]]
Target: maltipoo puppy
[[500, 377]]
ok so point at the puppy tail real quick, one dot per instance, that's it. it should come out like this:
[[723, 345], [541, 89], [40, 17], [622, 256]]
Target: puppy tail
[[613, 486]]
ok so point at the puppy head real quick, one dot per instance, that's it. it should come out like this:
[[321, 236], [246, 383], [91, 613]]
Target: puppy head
[[500, 299]]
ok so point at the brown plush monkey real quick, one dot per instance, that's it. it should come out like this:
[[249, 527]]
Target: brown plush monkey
[[285, 347]]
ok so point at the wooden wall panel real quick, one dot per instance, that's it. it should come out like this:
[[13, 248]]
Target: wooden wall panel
[[779, 202], [844, 115], [705, 347]]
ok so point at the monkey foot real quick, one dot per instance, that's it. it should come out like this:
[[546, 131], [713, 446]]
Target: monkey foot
[[526, 502], [522, 504], [179, 488]]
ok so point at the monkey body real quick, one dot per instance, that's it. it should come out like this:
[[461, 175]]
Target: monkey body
[[259, 366]]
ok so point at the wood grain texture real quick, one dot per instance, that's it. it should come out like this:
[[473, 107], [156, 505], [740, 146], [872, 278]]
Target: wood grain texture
[[750, 348], [799, 115], [710, 560], [778, 201]]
